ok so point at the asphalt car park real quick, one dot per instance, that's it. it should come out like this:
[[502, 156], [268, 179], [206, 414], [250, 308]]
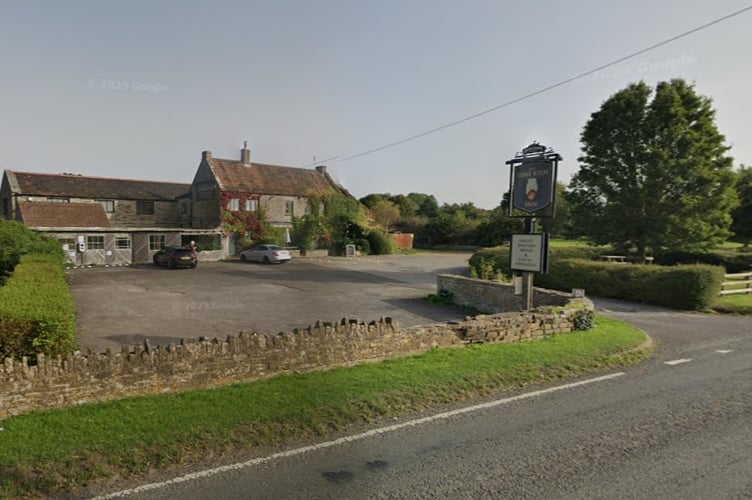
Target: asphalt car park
[[121, 306]]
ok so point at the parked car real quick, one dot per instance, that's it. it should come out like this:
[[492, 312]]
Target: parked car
[[173, 257], [267, 254]]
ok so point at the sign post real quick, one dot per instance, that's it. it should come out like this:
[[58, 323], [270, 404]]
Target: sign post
[[532, 186]]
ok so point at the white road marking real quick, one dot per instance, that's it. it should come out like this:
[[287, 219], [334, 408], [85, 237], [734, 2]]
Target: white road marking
[[723, 351], [356, 437], [677, 362]]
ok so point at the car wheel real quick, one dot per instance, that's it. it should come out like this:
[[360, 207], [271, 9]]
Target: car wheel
[[170, 264], [243, 257], [195, 263], [156, 262], [266, 260]]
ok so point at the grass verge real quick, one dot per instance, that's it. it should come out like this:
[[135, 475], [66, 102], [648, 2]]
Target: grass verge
[[734, 304], [49, 452]]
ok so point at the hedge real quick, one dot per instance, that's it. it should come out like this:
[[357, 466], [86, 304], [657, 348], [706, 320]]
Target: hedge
[[690, 287], [37, 312]]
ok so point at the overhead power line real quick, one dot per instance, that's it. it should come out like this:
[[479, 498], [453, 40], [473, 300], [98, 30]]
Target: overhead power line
[[544, 89]]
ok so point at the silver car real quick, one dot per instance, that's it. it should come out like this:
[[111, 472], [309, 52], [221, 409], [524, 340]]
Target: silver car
[[268, 254]]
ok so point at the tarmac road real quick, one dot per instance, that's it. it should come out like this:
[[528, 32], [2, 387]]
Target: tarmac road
[[121, 306]]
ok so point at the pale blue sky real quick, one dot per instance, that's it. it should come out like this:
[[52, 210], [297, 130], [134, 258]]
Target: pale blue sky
[[138, 89]]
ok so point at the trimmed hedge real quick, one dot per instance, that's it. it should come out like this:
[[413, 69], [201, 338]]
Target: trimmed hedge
[[734, 263], [37, 312], [690, 287], [499, 256]]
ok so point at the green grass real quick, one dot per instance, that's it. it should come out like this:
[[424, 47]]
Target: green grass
[[60, 450], [734, 304]]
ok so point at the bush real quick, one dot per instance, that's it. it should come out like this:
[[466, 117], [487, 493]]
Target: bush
[[363, 246], [498, 257], [37, 313], [739, 263], [381, 243], [17, 240], [691, 287]]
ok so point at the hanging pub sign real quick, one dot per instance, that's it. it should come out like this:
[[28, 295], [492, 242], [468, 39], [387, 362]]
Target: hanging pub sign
[[533, 182]]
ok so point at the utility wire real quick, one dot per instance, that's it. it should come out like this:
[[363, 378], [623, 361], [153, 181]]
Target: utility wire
[[545, 89]]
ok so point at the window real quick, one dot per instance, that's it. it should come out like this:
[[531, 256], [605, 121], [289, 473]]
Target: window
[[183, 208], [145, 207], [289, 207], [122, 242], [251, 205], [156, 241], [233, 204], [67, 243], [57, 199], [108, 205], [6, 207], [95, 242]]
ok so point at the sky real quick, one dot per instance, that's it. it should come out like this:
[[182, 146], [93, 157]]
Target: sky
[[138, 89]]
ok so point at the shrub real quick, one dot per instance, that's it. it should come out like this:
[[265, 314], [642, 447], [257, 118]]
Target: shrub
[[380, 243], [37, 313], [17, 240], [691, 287], [734, 263], [363, 246], [583, 319]]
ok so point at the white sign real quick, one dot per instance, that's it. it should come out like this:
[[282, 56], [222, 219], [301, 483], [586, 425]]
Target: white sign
[[527, 252]]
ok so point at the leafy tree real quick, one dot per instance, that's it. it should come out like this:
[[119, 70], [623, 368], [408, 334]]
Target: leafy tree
[[654, 174], [407, 207], [385, 213], [561, 225], [370, 200], [426, 203], [742, 216]]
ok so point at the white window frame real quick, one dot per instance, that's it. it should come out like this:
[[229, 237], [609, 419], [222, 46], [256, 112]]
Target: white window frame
[[156, 242], [95, 242], [122, 243], [233, 205], [251, 205], [289, 208]]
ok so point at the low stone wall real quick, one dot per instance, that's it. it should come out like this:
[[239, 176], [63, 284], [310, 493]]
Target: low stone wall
[[143, 369], [493, 296]]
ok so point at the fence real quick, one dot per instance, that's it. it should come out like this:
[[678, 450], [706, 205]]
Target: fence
[[737, 283]]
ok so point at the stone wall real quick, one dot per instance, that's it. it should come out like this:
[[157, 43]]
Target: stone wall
[[493, 296], [143, 369]]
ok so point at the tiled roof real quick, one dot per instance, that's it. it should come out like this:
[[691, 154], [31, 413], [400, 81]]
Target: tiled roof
[[49, 214], [260, 178], [77, 186]]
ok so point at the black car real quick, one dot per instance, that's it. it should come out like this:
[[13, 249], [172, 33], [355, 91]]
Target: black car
[[173, 257]]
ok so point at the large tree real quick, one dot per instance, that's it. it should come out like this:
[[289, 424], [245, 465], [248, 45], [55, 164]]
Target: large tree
[[742, 216], [654, 173]]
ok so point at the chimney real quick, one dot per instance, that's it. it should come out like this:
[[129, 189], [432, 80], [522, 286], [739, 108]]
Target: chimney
[[321, 169], [206, 155], [245, 154]]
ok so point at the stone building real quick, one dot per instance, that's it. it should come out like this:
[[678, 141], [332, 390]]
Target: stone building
[[105, 221]]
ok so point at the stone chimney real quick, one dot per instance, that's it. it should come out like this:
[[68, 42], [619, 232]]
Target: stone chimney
[[321, 169], [206, 155], [245, 154]]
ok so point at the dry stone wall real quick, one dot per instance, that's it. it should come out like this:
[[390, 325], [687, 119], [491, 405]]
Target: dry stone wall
[[493, 296], [144, 369]]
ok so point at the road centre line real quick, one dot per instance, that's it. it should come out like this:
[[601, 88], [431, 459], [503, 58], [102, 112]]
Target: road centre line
[[677, 361], [724, 351], [356, 437]]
